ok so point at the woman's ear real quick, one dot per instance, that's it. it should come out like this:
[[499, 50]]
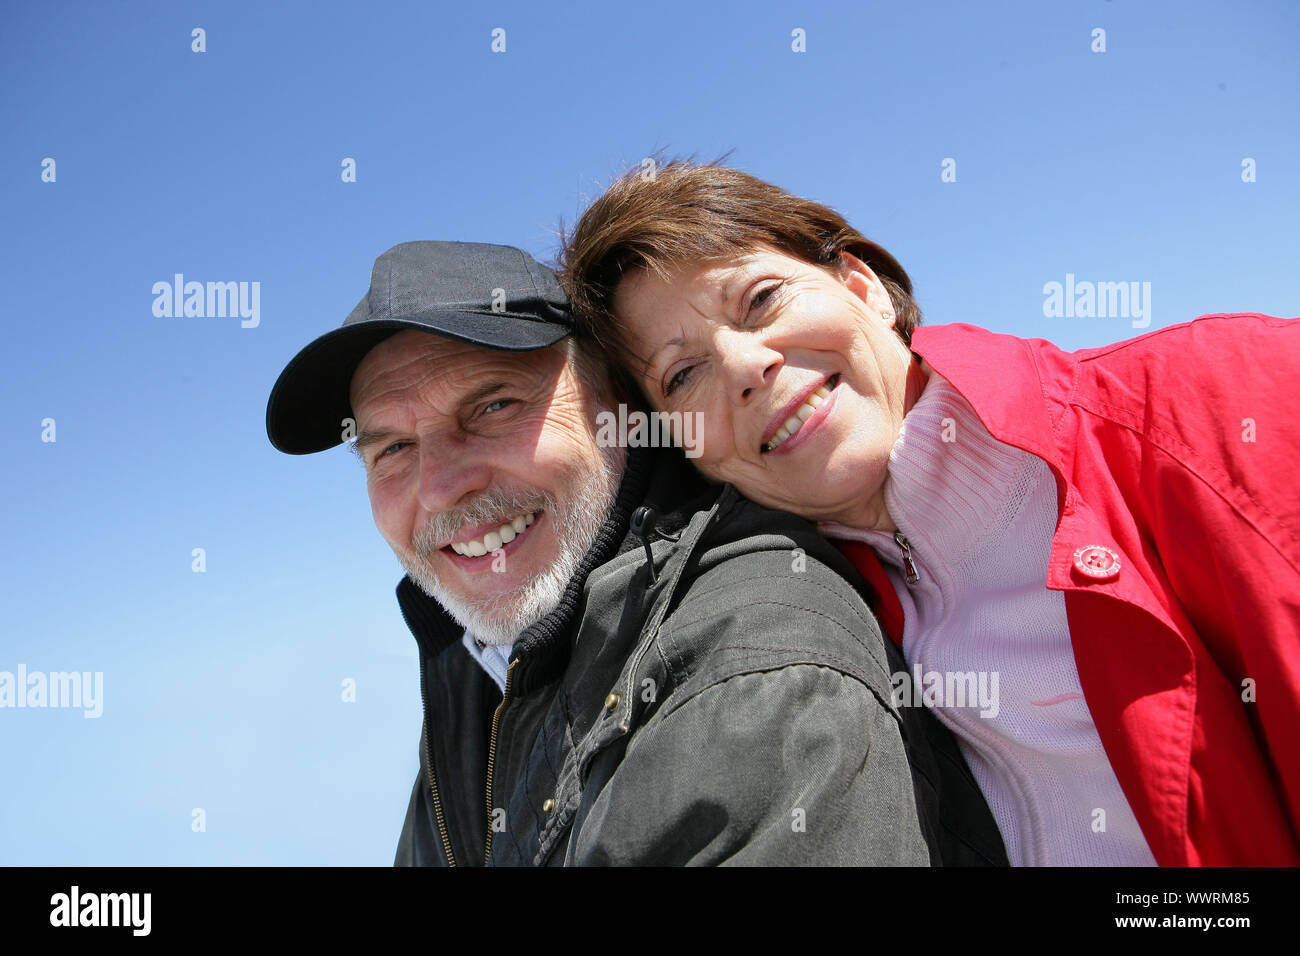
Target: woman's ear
[[862, 282]]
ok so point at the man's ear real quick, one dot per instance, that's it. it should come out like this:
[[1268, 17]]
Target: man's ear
[[866, 285]]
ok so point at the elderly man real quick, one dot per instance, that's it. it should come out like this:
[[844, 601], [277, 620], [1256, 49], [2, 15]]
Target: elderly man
[[619, 662]]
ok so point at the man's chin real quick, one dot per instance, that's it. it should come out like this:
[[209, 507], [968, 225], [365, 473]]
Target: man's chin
[[545, 571], [497, 617]]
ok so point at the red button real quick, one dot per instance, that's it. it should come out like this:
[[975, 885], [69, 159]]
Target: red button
[[1097, 562]]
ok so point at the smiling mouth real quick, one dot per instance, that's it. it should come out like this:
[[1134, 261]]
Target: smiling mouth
[[790, 427], [516, 527]]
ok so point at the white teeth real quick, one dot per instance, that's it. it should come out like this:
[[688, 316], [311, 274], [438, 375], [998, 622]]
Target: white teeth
[[494, 539], [801, 415], [791, 425]]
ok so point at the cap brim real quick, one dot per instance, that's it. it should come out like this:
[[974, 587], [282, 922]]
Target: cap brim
[[310, 400]]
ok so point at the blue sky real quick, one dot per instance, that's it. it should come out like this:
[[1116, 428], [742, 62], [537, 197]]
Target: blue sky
[[222, 689]]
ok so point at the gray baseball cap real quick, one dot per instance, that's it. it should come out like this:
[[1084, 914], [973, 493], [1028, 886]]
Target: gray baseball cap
[[498, 297]]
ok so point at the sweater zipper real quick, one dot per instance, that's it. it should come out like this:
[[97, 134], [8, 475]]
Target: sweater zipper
[[911, 575], [492, 752], [433, 778]]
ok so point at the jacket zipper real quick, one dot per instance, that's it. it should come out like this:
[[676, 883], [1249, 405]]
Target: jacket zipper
[[492, 752], [911, 575], [433, 778], [647, 518]]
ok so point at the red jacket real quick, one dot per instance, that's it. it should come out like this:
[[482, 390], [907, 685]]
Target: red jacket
[[1179, 451]]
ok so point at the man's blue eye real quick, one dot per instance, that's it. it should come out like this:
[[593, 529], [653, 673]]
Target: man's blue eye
[[502, 402], [391, 447]]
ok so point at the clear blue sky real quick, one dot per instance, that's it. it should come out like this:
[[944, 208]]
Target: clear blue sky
[[222, 690]]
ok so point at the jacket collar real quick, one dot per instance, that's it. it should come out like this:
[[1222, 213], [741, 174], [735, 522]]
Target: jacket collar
[[1011, 407], [1023, 409], [1156, 701]]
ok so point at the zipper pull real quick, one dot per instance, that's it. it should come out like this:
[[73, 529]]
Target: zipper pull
[[643, 525], [909, 566]]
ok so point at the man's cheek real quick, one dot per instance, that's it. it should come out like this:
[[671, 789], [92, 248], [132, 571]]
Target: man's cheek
[[400, 536]]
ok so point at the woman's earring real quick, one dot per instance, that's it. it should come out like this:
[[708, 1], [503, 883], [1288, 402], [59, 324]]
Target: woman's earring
[[886, 315]]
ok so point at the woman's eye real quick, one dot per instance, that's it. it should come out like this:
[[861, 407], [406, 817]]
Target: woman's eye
[[763, 295], [680, 378]]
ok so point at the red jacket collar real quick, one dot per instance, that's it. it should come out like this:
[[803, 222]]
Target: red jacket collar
[[1011, 406]]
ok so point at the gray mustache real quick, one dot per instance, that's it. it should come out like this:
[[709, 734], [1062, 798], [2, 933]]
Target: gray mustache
[[494, 504]]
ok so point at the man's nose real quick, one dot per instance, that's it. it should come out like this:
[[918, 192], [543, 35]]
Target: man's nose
[[448, 473], [748, 365]]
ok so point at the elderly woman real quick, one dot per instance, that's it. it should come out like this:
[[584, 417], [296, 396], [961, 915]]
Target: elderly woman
[[1107, 538]]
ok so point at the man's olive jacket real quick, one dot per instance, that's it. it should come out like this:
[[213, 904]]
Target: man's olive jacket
[[731, 705]]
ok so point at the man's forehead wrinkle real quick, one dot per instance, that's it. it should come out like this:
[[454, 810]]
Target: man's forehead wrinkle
[[440, 380], [401, 382], [386, 359], [399, 392]]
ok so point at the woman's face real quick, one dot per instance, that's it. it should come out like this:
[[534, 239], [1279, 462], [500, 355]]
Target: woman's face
[[763, 342]]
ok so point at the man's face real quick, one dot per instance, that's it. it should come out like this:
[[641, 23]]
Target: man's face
[[483, 472]]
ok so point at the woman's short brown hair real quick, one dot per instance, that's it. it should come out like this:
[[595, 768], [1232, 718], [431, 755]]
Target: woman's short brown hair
[[684, 212]]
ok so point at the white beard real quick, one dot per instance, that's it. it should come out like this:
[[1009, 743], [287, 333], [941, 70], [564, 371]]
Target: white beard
[[499, 619]]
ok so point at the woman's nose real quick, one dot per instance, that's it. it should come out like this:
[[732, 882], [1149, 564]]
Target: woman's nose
[[748, 365]]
